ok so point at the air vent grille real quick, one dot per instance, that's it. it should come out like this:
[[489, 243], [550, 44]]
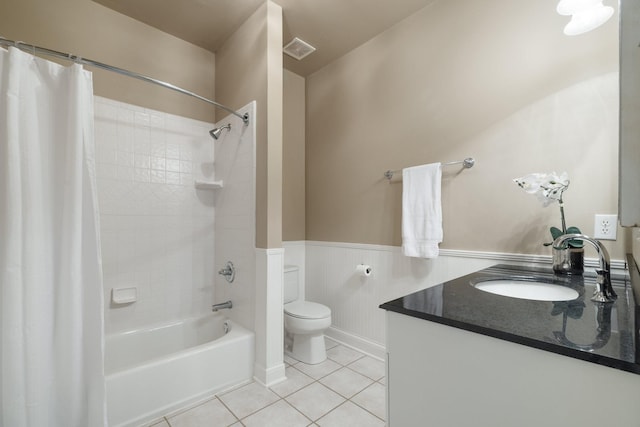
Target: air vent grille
[[298, 49]]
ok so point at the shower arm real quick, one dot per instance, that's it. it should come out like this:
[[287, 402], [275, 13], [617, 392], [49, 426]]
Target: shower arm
[[79, 60]]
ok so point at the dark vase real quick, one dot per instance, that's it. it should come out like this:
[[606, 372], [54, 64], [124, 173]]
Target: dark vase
[[568, 261]]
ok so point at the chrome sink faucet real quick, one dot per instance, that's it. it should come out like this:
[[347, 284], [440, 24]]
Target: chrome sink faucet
[[226, 304], [604, 290]]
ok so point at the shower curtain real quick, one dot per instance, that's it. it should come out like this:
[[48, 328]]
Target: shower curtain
[[51, 303]]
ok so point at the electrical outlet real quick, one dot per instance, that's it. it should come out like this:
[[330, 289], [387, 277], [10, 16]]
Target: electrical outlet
[[605, 227]]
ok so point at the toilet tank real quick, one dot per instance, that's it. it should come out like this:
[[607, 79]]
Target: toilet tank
[[291, 283]]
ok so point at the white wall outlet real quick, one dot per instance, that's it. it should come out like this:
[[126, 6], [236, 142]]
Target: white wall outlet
[[605, 227]]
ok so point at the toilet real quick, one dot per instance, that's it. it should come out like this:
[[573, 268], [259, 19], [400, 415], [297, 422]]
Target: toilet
[[304, 322]]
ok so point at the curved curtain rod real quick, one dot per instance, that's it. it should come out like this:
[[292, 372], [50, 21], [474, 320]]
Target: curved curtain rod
[[79, 60]]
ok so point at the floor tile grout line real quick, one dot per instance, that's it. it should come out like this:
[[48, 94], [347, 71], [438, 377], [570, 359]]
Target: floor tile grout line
[[323, 375], [285, 397], [308, 385], [313, 421], [373, 381], [240, 420], [296, 409], [364, 375], [342, 395], [347, 364], [366, 410], [188, 408], [360, 406], [257, 410], [347, 399], [301, 388], [331, 410], [229, 409]]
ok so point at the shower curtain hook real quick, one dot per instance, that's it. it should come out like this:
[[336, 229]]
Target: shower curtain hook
[[74, 58], [19, 43]]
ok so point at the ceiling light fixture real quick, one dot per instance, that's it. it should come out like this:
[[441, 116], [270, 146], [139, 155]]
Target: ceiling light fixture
[[586, 15], [298, 49]]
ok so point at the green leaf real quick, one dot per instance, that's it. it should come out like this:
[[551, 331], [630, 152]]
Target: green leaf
[[555, 232], [575, 243]]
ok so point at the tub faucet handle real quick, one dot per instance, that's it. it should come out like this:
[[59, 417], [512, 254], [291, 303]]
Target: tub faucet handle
[[228, 271]]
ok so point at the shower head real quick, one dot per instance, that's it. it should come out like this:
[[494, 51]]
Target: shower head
[[215, 133]]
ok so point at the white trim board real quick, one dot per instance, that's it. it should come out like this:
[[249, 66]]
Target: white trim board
[[616, 264]]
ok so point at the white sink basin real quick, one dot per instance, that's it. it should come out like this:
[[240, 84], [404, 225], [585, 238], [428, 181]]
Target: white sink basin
[[526, 289]]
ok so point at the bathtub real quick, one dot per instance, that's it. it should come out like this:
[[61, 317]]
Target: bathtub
[[153, 371]]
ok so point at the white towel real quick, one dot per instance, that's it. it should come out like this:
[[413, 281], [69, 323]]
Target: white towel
[[421, 210]]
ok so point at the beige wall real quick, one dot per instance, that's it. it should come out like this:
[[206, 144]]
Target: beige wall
[[249, 67], [87, 29], [465, 78], [293, 171]]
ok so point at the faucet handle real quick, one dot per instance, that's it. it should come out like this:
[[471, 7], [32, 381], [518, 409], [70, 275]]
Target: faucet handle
[[604, 290], [229, 272]]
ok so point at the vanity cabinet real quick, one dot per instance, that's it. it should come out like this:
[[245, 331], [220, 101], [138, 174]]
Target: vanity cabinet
[[443, 376], [458, 356]]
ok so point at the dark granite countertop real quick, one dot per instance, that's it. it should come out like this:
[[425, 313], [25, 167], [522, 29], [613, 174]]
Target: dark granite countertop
[[595, 332]]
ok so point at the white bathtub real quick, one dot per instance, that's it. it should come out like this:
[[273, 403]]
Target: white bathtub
[[150, 372]]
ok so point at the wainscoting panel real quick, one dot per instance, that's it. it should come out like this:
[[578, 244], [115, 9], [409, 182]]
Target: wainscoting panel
[[331, 279]]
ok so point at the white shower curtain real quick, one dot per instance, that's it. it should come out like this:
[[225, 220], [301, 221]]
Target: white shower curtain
[[51, 316]]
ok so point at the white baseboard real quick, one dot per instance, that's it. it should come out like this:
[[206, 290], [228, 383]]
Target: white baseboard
[[363, 345], [269, 377]]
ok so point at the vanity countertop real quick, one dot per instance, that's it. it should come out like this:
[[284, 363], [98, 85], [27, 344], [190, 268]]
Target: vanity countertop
[[595, 332]]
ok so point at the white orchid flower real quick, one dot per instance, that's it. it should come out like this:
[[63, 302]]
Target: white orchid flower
[[547, 186], [531, 183]]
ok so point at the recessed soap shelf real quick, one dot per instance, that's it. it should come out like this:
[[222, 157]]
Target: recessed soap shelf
[[124, 295], [208, 185]]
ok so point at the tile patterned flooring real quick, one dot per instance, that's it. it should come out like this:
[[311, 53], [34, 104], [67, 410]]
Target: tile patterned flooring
[[345, 390]]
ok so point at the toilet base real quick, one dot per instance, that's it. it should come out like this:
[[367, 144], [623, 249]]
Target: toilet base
[[308, 348]]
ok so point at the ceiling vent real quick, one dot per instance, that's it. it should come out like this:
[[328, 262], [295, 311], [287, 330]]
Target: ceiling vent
[[298, 49]]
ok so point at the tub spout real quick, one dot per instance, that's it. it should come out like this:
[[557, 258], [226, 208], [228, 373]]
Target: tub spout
[[226, 304]]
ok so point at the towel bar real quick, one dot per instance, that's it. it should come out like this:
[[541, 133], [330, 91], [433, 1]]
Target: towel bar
[[466, 164]]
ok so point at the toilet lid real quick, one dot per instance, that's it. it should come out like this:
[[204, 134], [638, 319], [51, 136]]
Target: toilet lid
[[307, 310]]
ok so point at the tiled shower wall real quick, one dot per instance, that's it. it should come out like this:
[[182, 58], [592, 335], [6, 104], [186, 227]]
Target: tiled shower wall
[[157, 230], [235, 215]]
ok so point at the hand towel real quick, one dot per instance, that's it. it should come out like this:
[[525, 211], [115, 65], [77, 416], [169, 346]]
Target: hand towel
[[421, 210]]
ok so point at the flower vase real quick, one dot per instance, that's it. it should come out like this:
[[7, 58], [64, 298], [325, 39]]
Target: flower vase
[[568, 261]]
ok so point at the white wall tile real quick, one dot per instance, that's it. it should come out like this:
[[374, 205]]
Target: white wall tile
[[234, 211], [157, 233]]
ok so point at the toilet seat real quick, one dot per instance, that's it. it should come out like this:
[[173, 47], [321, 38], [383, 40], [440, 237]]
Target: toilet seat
[[307, 310]]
